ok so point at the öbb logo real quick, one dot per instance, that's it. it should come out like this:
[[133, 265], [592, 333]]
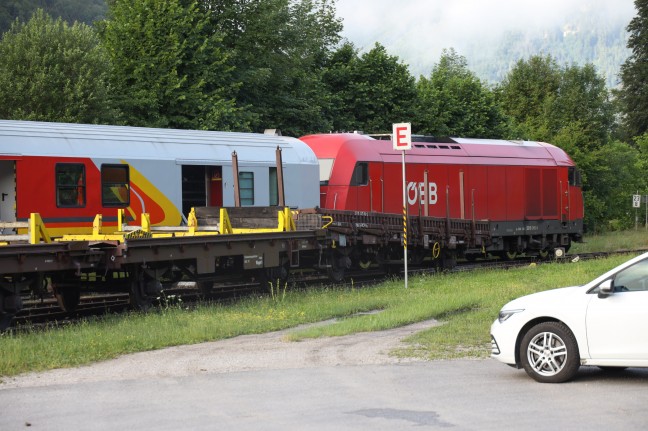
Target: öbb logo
[[416, 193]]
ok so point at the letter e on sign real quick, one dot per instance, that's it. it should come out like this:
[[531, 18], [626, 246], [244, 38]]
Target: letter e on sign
[[402, 136]]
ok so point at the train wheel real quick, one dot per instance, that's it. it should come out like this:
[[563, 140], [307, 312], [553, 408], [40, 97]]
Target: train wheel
[[544, 254], [5, 321], [471, 257], [510, 255], [336, 274], [138, 297], [143, 290], [10, 304], [365, 261], [277, 275], [67, 297], [205, 288], [448, 260], [338, 267]]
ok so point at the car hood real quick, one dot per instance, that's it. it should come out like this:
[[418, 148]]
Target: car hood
[[563, 295]]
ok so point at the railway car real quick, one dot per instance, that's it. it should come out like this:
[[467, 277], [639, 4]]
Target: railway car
[[529, 193], [70, 172]]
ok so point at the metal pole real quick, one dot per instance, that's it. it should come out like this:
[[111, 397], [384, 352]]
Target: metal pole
[[235, 172], [280, 179], [637, 214], [404, 219]]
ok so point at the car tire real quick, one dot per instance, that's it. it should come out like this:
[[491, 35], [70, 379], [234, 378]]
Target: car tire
[[549, 353]]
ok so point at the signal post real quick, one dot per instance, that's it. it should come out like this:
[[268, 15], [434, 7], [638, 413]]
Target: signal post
[[402, 141]]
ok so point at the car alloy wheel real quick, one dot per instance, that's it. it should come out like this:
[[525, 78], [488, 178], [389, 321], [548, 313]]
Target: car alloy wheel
[[549, 353]]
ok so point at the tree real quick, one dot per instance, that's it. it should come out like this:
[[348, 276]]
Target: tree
[[570, 108], [582, 99], [542, 98], [454, 102], [71, 11], [526, 96], [338, 76], [369, 92], [52, 71], [612, 174], [169, 69], [278, 49], [633, 95]]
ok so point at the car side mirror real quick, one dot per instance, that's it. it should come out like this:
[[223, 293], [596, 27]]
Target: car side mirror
[[606, 288]]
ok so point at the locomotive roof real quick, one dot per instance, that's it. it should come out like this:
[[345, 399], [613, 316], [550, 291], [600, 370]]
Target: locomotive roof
[[29, 138], [447, 150]]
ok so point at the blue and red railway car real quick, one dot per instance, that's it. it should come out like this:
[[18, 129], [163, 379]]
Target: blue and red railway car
[[68, 173]]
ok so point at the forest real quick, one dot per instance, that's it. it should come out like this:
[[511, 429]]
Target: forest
[[282, 64]]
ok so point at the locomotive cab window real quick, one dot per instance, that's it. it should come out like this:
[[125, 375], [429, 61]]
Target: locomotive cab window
[[70, 185], [574, 177], [360, 174], [115, 188]]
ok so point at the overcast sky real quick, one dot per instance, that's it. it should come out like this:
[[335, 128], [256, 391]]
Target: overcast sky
[[438, 24]]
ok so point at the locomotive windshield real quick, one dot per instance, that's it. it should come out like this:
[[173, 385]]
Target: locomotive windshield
[[326, 166]]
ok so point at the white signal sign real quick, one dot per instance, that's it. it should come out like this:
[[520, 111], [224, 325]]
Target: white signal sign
[[402, 136], [636, 201]]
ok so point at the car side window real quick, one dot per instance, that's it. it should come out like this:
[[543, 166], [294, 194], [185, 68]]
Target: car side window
[[633, 278]]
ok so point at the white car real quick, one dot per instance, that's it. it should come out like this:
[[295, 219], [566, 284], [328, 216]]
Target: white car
[[603, 323]]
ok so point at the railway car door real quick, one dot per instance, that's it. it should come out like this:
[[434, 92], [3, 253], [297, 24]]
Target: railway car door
[[215, 186], [359, 190], [376, 187], [8, 190], [194, 187]]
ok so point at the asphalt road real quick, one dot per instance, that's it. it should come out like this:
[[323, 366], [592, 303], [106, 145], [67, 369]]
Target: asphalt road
[[459, 395]]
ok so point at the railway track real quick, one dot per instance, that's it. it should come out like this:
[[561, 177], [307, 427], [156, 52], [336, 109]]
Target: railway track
[[42, 312]]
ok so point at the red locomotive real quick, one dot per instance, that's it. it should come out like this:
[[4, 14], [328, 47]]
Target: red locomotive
[[529, 193]]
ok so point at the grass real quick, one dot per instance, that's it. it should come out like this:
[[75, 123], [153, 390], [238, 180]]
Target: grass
[[613, 241], [466, 302]]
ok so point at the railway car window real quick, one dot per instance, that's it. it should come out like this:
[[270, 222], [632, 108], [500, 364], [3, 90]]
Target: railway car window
[[326, 167], [274, 187], [115, 190], [360, 175], [246, 187], [70, 185], [574, 177]]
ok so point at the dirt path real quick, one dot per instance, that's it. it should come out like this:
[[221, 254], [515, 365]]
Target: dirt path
[[243, 353]]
